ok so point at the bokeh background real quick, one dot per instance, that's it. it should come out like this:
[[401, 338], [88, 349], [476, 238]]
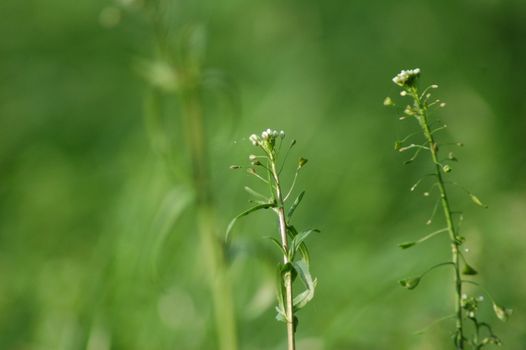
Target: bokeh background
[[99, 242]]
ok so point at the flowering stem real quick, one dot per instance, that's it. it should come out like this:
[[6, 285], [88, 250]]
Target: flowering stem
[[433, 149], [287, 277]]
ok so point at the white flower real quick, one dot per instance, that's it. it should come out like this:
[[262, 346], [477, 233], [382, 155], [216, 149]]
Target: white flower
[[265, 135], [282, 134], [254, 139], [406, 77]]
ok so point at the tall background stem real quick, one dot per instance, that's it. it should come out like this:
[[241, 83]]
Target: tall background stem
[[211, 247]]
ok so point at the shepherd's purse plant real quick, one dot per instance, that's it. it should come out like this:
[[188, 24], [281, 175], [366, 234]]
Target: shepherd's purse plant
[[419, 108], [266, 166]]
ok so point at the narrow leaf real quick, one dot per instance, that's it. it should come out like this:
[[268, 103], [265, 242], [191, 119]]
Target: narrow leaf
[[302, 248], [406, 245], [278, 244], [280, 308], [302, 267], [245, 213], [295, 204], [299, 238], [255, 193], [477, 201]]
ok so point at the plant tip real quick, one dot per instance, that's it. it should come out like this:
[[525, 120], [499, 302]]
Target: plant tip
[[410, 283]]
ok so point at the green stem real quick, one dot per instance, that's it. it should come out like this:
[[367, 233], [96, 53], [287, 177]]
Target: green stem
[[212, 250], [287, 278], [433, 149]]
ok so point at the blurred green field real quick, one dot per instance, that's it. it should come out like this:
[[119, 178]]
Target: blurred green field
[[99, 246]]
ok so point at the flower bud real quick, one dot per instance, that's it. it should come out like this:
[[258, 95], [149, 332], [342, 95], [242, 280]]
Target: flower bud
[[254, 139]]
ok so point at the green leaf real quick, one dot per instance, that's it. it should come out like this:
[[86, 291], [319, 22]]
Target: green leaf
[[278, 244], [502, 313], [302, 248], [406, 245], [298, 240], [295, 204], [255, 193], [280, 308], [280, 315], [469, 270], [477, 201], [245, 213], [410, 283], [302, 267]]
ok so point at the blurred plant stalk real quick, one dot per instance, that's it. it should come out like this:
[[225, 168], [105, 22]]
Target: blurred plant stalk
[[212, 249], [177, 73]]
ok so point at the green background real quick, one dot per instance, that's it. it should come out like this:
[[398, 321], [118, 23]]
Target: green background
[[98, 250]]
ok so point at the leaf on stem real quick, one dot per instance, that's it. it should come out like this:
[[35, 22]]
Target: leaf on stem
[[295, 204], [255, 193], [477, 201], [410, 283], [298, 240], [469, 270], [278, 244], [302, 267], [245, 213], [302, 248], [406, 245], [280, 308]]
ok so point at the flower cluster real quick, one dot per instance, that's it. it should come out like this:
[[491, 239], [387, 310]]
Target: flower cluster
[[266, 136], [407, 78], [471, 304]]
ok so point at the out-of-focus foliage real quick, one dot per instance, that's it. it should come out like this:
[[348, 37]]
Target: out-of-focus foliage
[[96, 249]]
